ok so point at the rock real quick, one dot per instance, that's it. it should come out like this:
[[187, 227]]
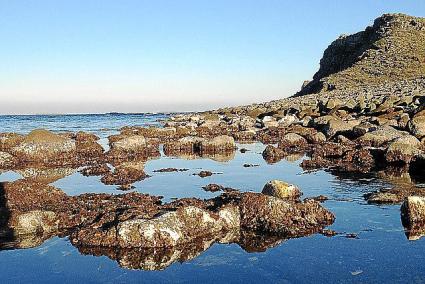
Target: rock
[[250, 165], [417, 126], [131, 145], [292, 140], [317, 138], [36, 221], [287, 120], [403, 149], [383, 198], [174, 228], [213, 187], [204, 174], [170, 170], [218, 144], [272, 154], [45, 147], [6, 160], [337, 127], [9, 140], [381, 136], [125, 174], [272, 215], [281, 189], [413, 216]]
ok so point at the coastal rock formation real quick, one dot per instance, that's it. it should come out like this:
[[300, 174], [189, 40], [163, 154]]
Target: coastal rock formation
[[130, 221], [392, 48], [45, 147]]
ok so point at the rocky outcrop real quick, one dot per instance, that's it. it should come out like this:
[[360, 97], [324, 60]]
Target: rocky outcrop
[[45, 147], [390, 49], [133, 220]]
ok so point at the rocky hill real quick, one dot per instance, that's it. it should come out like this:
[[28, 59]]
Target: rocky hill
[[390, 50], [387, 58]]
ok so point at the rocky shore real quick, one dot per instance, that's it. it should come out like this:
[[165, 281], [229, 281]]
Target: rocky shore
[[351, 118]]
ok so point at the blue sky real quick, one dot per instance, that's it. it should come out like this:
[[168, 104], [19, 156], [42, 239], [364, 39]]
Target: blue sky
[[134, 56]]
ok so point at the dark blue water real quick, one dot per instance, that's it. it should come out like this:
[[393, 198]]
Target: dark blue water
[[380, 254]]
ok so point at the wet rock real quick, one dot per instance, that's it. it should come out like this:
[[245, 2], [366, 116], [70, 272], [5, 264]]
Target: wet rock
[[273, 154], [213, 187], [218, 144], [174, 228], [397, 194], [413, 216], [125, 174], [36, 221], [170, 170], [250, 165], [6, 160], [320, 198], [282, 190], [272, 215], [403, 149], [204, 174], [45, 147], [189, 144], [95, 170]]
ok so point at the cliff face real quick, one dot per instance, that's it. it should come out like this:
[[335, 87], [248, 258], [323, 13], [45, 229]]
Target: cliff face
[[391, 50]]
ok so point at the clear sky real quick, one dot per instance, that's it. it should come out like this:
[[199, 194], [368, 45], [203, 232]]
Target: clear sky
[[82, 56]]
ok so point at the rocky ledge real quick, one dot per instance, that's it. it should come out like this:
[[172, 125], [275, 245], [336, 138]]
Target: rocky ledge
[[33, 211]]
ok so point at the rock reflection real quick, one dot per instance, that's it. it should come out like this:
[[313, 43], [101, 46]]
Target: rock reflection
[[161, 258]]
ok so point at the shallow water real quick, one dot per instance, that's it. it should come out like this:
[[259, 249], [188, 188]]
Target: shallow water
[[381, 253]]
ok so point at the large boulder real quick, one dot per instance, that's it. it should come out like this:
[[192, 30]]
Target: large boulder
[[218, 144], [281, 189], [123, 147], [175, 228], [270, 215], [44, 146], [403, 149], [338, 126], [381, 136]]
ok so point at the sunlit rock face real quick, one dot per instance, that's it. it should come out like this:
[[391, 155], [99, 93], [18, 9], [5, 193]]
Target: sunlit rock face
[[46, 147], [413, 217]]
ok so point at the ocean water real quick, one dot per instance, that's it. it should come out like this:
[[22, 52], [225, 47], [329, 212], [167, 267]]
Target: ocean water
[[380, 254]]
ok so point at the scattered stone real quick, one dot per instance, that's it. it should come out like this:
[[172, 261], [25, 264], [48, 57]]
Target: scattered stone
[[281, 189]]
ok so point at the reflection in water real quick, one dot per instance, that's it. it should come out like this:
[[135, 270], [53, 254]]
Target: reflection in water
[[161, 258], [45, 175]]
